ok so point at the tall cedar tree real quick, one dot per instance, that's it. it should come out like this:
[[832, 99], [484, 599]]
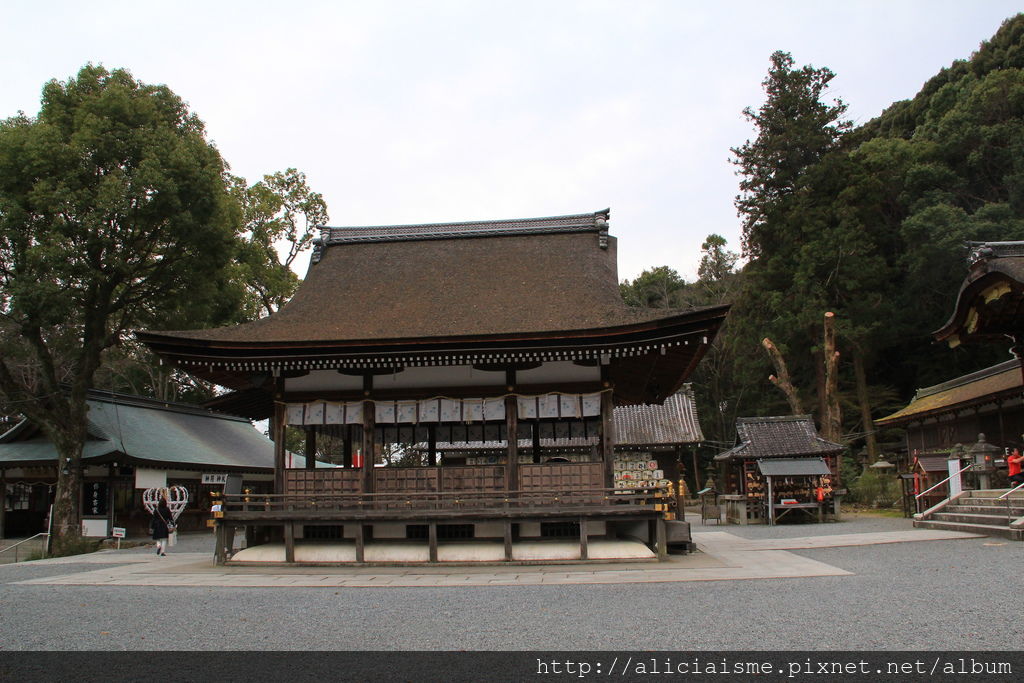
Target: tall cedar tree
[[794, 130], [114, 214]]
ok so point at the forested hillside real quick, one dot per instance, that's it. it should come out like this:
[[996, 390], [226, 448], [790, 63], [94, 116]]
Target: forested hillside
[[868, 222]]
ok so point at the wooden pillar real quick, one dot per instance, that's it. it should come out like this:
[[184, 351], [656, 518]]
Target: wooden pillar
[[346, 447], [584, 550], [310, 448], [432, 541], [661, 538], [432, 445], [607, 434], [508, 540], [227, 547], [696, 471], [277, 431], [289, 542], [512, 432], [369, 445], [220, 551], [360, 542], [536, 441]]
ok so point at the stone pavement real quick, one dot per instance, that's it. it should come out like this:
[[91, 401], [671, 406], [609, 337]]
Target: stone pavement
[[723, 556]]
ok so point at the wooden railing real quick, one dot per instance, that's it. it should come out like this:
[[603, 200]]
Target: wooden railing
[[562, 498]]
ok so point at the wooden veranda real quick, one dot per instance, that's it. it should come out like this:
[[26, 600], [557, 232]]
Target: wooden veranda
[[298, 515]]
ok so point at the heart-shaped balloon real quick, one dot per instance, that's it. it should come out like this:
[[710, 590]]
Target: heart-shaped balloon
[[177, 499]]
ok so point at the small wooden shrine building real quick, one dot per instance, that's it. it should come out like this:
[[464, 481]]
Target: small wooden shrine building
[[461, 332], [133, 443], [779, 464], [941, 417]]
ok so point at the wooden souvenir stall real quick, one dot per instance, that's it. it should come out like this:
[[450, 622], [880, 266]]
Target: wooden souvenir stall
[[780, 466]]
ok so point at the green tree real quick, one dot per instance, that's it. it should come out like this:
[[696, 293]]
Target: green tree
[[794, 130], [280, 210], [718, 393], [659, 287], [114, 214]]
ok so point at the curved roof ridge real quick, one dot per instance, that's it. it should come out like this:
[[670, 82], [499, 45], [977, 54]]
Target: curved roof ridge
[[581, 222], [967, 379]]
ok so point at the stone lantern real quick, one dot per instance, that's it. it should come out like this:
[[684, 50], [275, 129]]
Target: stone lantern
[[982, 455]]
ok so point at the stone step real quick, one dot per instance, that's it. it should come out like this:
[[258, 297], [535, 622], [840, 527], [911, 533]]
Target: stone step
[[993, 493], [983, 529], [964, 517], [1014, 511]]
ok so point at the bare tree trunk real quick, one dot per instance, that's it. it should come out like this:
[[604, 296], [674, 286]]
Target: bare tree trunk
[[865, 405], [781, 378], [832, 421], [818, 358]]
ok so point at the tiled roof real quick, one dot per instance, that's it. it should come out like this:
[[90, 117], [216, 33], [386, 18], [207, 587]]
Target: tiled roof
[[776, 437], [978, 387], [933, 463], [152, 431], [674, 421]]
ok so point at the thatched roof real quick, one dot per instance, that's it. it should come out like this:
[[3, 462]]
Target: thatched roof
[[491, 292], [418, 282]]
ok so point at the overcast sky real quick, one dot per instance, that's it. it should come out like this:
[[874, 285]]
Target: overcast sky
[[424, 112]]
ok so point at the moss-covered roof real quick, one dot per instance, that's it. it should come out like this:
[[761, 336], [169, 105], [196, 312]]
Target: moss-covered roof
[[984, 386]]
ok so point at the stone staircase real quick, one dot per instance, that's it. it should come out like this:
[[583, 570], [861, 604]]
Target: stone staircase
[[979, 512]]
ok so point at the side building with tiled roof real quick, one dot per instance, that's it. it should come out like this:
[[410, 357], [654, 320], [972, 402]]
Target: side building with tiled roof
[[955, 412], [133, 443]]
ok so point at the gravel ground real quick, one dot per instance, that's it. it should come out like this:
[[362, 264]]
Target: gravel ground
[[852, 523], [923, 595]]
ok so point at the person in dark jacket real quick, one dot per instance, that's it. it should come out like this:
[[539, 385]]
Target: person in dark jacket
[[163, 525]]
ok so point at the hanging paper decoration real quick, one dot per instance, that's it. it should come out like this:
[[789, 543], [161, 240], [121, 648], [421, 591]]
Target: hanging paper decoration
[[446, 410], [547, 406]]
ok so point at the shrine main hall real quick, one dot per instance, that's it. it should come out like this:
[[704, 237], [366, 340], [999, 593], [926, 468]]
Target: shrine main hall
[[507, 331]]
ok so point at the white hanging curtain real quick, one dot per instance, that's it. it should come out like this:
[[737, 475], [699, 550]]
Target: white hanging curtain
[[446, 410]]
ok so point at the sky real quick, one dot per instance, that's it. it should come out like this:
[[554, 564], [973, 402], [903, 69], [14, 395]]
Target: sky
[[436, 111]]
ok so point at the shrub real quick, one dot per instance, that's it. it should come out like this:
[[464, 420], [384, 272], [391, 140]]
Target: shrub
[[877, 489]]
